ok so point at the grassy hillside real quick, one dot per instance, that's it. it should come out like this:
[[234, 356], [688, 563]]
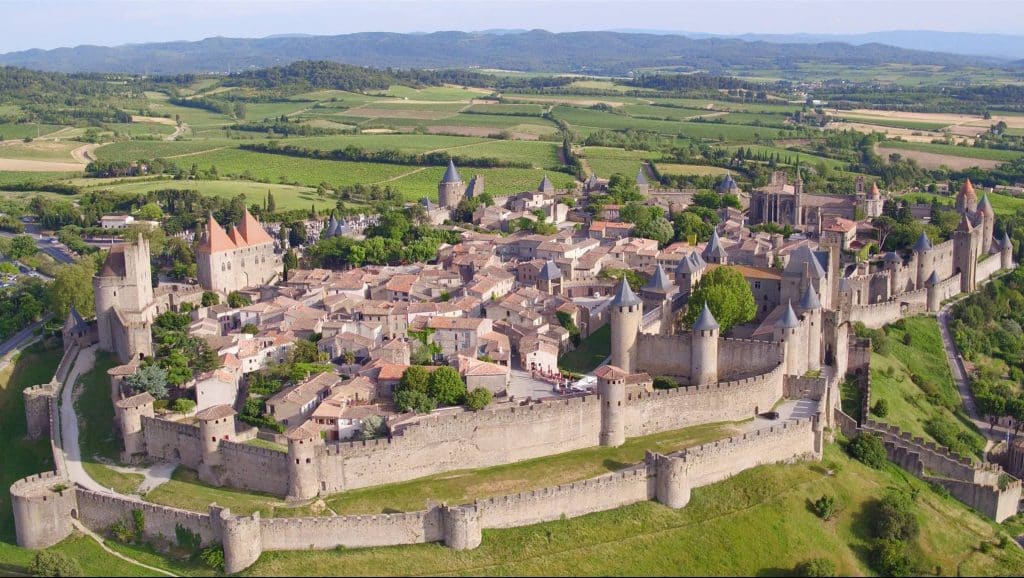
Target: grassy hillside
[[757, 523]]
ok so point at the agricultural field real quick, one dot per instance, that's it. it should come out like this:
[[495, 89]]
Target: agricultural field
[[12, 131], [407, 143], [286, 196], [690, 170], [422, 182], [606, 161], [954, 150], [39, 150], [513, 109], [173, 150]]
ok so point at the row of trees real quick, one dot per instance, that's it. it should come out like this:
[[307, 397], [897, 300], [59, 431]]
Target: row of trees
[[421, 391]]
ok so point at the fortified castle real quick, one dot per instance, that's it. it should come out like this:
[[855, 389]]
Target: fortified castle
[[243, 257], [800, 351]]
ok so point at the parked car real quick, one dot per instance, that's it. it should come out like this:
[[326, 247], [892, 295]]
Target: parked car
[[770, 415]]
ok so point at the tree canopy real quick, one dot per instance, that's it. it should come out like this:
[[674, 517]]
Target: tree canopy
[[728, 297]]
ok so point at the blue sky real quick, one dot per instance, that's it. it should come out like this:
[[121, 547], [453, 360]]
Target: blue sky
[[54, 23]]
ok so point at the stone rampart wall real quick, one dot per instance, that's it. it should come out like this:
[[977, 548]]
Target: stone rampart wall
[[253, 468], [803, 387], [746, 357], [987, 267], [664, 354], [666, 410], [351, 531], [172, 441], [879, 314], [100, 511]]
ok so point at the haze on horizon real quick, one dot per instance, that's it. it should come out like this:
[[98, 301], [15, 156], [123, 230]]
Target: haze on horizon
[[50, 24]]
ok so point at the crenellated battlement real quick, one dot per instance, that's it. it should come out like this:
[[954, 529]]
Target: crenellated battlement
[[697, 390], [170, 426], [787, 428], [267, 453], [29, 486]]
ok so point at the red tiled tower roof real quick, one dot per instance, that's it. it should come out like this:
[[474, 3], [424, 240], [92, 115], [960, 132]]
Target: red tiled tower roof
[[251, 230]]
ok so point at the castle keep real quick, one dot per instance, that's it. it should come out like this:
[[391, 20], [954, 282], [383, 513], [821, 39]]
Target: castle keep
[[236, 259]]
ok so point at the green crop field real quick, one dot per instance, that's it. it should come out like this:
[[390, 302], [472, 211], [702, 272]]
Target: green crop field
[[12, 177], [256, 111], [954, 150], [11, 131], [409, 143], [698, 170], [290, 170], [40, 150], [286, 196], [438, 93], [134, 150], [518, 109], [538, 154], [606, 161], [663, 112], [195, 117], [790, 157]]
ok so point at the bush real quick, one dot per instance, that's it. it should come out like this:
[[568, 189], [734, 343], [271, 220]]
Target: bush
[[213, 556], [121, 532], [183, 405], [889, 558], [881, 408], [824, 507], [188, 539], [479, 398], [665, 382], [446, 387], [54, 564], [868, 449], [895, 518], [237, 300], [413, 400], [816, 567]]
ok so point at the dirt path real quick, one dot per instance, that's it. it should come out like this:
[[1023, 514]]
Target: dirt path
[[83, 154], [402, 176], [178, 131], [99, 540], [203, 152]]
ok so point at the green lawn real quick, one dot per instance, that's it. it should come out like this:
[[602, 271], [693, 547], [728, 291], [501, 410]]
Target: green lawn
[[97, 438], [268, 445], [286, 196], [10, 130], [590, 353], [700, 170], [187, 492], [756, 523], [911, 406], [464, 486], [40, 150], [135, 150]]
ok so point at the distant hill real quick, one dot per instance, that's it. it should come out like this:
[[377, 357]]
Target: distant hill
[[610, 53]]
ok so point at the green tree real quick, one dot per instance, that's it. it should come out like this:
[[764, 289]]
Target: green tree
[[8, 268], [250, 328], [48, 563], [22, 246], [478, 399], [415, 377], [290, 261], [210, 298], [727, 295], [446, 387], [868, 449], [271, 203], [183, 405], [305, 351], [373, 427], [236, 299], [72, 285], [151, 378], [658, 229], [150, 212], [413, 400], [895, 518]]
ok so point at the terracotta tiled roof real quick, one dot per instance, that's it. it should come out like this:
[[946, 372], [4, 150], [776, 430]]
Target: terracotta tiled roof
[[215, 240], [251, 230], [215, 412]]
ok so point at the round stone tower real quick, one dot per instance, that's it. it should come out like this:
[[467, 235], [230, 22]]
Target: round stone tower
[[1006, 252], [303, 464], [104, 289], [129, 413], [215, 423], [786, 332], [611, 387], [934, 302], [988, 223], [672, 487], [461, 527], [925, 264], [43, 506], [810, 306], [704, 349], [627, 313], [451, 189], [241, 538]]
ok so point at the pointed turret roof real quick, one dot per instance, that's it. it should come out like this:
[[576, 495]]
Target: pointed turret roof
[[705, 321], [922, 244], [332, 227], [933, 279], [809, 301], [74, 320], [216, 239], [624, 296], [641, 178], [687, 265], [789, 319], [252, 231], [844, 285], [545, 185], [965, 225], [698, 260], [235, 236], [802, 255], [451, 175], [985, 207], [875, 193], [550, 271], [714, 248], [659, 281], [1006, 240], [892, 257], [726, 184], [967, 189]]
